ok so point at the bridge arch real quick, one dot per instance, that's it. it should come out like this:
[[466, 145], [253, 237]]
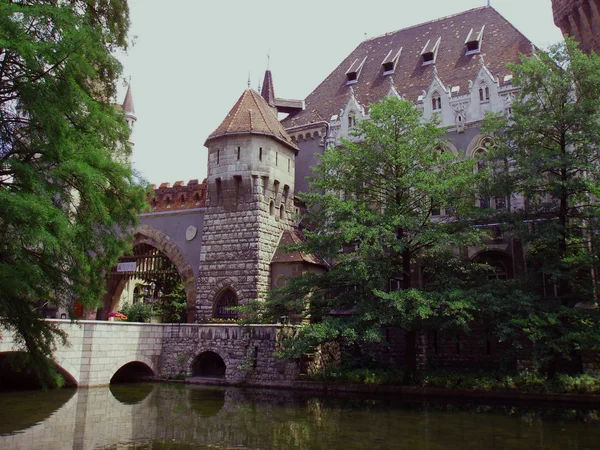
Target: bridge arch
[[9, 378], [145, 234], [140, 361], [210, 363]]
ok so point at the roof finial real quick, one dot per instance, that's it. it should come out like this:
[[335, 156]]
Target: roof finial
[[249, 80], [488, 3], [269, 60]]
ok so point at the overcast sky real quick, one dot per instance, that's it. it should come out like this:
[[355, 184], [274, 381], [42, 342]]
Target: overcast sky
[[191, 59]]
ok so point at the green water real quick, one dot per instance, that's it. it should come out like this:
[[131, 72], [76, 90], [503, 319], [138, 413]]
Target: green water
[[154, 416]]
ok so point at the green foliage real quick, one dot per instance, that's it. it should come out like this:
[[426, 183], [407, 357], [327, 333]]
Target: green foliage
[[525, 381], [67, 200], [374, 197], [548, 153], [172, 304], [137, 312]]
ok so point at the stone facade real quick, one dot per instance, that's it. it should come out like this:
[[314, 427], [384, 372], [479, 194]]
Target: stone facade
[[579, 19]]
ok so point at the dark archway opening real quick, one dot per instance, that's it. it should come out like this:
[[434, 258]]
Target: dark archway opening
[[16, 374], [132, 372], [208, 365]]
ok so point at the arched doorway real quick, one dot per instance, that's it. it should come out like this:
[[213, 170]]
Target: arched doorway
[[161, 242], [209, 365], [224, 301]]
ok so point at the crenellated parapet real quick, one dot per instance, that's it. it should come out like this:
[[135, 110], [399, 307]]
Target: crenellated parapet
[[180, 196]]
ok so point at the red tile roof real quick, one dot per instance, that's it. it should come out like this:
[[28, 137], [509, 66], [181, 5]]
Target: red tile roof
[[502, 43], [290, 238], [252, 115]]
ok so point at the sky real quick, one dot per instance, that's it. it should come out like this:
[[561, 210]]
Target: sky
[[190, 60]]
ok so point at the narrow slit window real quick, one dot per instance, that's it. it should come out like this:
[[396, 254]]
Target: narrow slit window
[[238, 153], [260, 154], [218, 156]]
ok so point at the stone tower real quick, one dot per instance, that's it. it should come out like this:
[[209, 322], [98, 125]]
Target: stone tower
[[250, 187], [580, 19]]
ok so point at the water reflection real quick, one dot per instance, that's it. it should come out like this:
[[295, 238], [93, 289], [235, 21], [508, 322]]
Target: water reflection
[[129, 394], [181, 417]]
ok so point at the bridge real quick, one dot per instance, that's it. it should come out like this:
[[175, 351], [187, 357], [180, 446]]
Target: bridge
[[100, 351]]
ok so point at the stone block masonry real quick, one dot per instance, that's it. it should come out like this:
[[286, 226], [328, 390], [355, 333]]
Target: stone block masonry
[[98, 350]]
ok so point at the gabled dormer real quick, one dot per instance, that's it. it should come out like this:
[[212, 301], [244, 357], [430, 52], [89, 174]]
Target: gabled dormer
[[390, 61], [353, 72], [429, 52], [473, 41]]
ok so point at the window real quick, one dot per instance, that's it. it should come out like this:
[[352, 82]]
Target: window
[[197, 199], [168, 202], [394, 284], [219, 190], [353, 71], [224, 302], [276, 158], [429, 52], [436, 101], [389, 62], [238, 153], [260, 154], [351, 120], [289, 164], [218, 156], [182, 200], [281, 212], [484, 93], [272, 208], [500, 203], [473, 41]]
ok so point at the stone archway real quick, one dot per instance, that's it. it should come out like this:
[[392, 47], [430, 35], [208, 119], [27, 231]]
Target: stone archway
[[145, 234], [209, 364]]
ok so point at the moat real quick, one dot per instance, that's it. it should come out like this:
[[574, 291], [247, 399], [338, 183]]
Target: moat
[[176, 416]]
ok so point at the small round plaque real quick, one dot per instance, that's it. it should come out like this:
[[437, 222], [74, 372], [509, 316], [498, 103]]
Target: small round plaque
[[191, 232]]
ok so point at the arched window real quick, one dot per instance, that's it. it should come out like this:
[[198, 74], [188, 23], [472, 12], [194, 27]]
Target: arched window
[[182, 200], [225, 300], [168, 202], [484, 92], [197, 199], [351, 120], [281, 212], [272, 208], [436, 101]]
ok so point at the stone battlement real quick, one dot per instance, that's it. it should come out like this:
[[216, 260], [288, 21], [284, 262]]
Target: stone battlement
[[178, 197]]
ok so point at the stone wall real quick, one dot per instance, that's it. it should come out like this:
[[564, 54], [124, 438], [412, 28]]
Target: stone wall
[[248, 352]]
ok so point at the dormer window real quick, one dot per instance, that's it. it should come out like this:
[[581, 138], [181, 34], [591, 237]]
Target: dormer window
[[473, 41], [390, 61], [436, 101], [353, 72], [429, 52]]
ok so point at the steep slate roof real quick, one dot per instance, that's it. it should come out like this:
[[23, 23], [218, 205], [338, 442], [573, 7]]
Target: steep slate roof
[[502, 43], [128, 102], [252, 115], [290, 238]]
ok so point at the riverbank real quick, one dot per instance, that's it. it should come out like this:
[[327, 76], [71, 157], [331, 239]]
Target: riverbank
[[508, 397]]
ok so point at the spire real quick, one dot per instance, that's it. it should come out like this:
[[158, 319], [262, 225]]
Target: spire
[[268, 91], [128, 102]]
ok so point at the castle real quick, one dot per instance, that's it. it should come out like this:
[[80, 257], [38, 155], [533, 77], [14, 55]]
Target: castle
[[222, 237]]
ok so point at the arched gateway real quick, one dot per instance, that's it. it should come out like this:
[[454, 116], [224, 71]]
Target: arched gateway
[[155, 259]]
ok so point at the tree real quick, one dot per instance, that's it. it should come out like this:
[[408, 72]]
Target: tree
[[547, 152], [67, 200], [375, 207]]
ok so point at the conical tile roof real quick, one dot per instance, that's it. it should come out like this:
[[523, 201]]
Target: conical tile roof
[[128, 102], [252, 115]]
